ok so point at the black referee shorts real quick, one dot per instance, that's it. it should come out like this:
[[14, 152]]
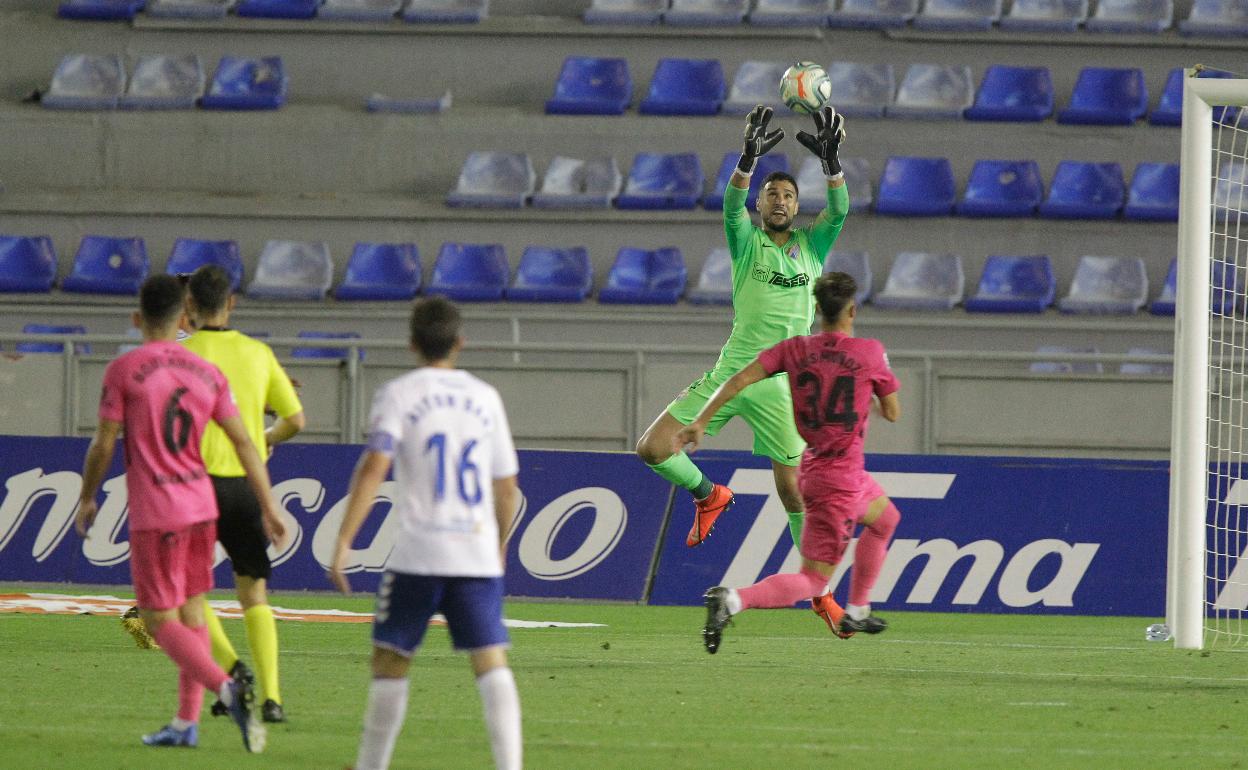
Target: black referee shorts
[[239, 529]]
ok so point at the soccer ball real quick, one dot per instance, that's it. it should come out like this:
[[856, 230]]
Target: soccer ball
[[805, 88]]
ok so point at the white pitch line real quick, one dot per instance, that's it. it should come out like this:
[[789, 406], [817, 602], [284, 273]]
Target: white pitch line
[[1039, 703]]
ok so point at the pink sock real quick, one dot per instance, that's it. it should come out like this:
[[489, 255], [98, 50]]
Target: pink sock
[[191, 692], [869, 555], [783, 590], [189, 651]]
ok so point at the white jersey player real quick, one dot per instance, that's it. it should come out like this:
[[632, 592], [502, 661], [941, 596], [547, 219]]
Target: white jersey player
[[445, 432]]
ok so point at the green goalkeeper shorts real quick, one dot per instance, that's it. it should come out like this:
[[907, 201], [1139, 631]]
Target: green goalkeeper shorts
[[765, 406]]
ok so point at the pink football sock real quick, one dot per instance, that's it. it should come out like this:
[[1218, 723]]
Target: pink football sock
[[869, 555], [191, 692], [783, 590], [189, 650]]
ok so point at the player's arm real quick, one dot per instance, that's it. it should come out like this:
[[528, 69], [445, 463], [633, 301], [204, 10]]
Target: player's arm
[[693, 432], [758, 142], [369, 472], [825, 143], [890, 407], [284, 429], [99, 458], [257, 476], [285, 404], [506, 490]]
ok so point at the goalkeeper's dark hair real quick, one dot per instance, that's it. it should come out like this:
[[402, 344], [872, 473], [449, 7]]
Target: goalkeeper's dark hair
[[833, 291], [435, 327], [162, 298], [780, 176], [210, 288]]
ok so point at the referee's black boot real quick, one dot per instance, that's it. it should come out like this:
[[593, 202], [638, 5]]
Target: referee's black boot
[[272, 711]]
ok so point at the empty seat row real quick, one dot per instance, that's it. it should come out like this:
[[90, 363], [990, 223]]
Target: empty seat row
[[432, 11], [301, 351], [1084, 366], [158, 81]]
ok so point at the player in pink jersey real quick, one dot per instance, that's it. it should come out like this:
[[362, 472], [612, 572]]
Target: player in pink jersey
[[161, 396], [834, 378]]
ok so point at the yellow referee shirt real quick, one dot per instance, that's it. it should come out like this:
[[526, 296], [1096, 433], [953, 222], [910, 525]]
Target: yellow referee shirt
[[256, 379]]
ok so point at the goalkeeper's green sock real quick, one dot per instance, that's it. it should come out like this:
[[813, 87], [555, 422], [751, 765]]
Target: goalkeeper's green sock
[[262, 638], [681, 471], [222, 651], [795, 527]]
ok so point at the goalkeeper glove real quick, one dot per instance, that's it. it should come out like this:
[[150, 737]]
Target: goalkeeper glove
[[758, 142], [829, 133]]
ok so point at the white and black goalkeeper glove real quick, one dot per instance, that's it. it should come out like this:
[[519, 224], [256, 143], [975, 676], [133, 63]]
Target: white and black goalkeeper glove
[[824, 143], [758, 142]]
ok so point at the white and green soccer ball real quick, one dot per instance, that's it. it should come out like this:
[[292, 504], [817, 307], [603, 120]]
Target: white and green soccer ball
[[805, 88]]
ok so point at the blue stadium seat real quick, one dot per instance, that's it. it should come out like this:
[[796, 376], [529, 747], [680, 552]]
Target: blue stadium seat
[[589, 85], [1154, 193], [575, 183], [106, 265], [470, 272], [663, 182], [640, 277], [1131, 16], [162, 82], [247, 84], [99, 10], [812, 186], [189, 254], [1107, 285], [923, 281], [714, 286], [494, 180], [302, 351], [292, 270], [685, 87], [706, 13], [1169, 110], [1066, 367], [1014, 285], [1045, 15], [1002, 188], [1014, 94], [773, 161], [27, 263], [1224, 286], [552, 274], [756, 82], [381, 271], [861, 90], [86, 82], [625, 11], [51, 347], [1220, 18], [409, 105], [1146, 368], [933, 91], [446, 11], [359, 10], [277, 9], [190, 9], [874, 14], [916, 187], [857, 264], [958, 15], [791, 13], [1164, 303], [1107, 96], [1084, 191]]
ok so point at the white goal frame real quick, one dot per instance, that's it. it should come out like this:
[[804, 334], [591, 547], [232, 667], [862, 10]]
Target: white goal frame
[[1189, 451]]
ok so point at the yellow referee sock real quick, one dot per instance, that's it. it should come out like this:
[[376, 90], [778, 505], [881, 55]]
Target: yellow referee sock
[[262, 638], [222, 651]]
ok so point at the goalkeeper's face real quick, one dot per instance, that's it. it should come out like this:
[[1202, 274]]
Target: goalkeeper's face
[[777, 204]]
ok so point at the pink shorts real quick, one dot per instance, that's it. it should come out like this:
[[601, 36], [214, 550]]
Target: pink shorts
[[831, 516], [169, 567]]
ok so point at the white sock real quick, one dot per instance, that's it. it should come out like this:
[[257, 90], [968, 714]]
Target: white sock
[[733, 601], [502, 716], [180, 725], [225, 694], [858, 611], [387, 703]]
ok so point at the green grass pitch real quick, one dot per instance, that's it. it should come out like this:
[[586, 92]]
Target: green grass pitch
[[935, 690]]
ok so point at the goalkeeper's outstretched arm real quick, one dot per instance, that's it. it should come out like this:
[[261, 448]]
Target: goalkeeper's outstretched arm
[[758, 142], [825, 143]]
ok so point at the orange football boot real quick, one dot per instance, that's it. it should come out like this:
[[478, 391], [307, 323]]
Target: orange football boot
[[705, 513]]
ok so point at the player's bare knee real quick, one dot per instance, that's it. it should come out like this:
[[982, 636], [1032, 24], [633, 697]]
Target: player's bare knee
[[388, 664], [651, 450], [251, 591]]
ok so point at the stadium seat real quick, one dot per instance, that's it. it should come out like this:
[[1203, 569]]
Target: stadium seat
[[1224, 287], [409, 105], [552, 274], [874, 14], [86, 82], [1084, 191], [359, 10], [1002, 188], [773, 161], [857, 264], [106, 265], [381, 271], [861, 90], [714, 286], [446, 11], [1230, 191], [1014, 285], [1131, 16], [1066, 367], [706, 13], [99, 10], [27, 263], [589, 85], [277, 9], [756, 82], [958, 15], [1164, 303], [1045, 15], [302, 351], [1107, 97], [247, 84], [499, 180], [663, 182], [575, 183], [1169, 110], [189, 254], [812, 185], [292, 270], [1221, 18], [685, 87], [51, 347], [162, 82], [625, 11], [923, 281], [916, 187], [933, 91], [1146, 368], [190, 9], [640, 277], [470, 272], [1154, 193], [791, 13], [1013, 94], [1107, 285]]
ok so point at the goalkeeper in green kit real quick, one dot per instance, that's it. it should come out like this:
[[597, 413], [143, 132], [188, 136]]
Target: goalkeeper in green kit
[[773, 270]]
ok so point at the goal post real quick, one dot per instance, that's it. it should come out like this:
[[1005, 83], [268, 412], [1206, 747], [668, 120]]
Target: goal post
[[1209, 432]]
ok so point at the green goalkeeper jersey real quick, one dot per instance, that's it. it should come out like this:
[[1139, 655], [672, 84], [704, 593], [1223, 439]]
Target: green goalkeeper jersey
[[771, 285]]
